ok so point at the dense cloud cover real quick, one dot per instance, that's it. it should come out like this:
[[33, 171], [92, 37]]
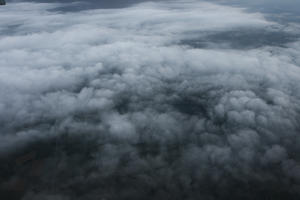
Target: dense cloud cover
[[78, 5], [130, 103]]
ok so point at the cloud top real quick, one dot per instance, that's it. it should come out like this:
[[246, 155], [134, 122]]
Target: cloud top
[[111, 104]]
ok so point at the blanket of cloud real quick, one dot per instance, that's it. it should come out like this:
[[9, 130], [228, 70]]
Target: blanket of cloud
[[148, 102]]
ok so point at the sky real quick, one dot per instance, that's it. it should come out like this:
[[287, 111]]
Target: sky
[[179, 99]]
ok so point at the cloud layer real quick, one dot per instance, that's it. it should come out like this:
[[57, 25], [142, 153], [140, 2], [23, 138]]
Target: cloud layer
[[116, 104]]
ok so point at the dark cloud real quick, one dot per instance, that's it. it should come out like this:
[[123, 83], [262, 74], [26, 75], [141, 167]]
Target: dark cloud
[[110, 104], [283, 11], [242, 39], [79, 5]]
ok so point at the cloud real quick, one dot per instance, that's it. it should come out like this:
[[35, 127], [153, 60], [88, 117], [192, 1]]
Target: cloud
[[111, 104]]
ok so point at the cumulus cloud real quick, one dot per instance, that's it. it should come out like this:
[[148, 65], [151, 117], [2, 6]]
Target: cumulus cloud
[[116, 104]]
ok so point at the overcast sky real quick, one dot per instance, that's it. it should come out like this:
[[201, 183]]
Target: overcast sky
[[147, 100]]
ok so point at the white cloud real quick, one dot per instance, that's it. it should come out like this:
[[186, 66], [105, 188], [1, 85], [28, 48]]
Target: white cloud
[[120, 80]]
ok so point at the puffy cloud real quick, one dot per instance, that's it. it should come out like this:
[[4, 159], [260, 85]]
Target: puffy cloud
[[116, 104]]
